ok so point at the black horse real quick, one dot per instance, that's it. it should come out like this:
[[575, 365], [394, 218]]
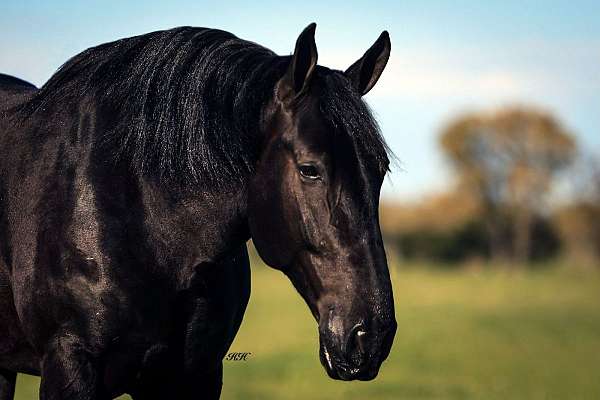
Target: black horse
[[130, 183]]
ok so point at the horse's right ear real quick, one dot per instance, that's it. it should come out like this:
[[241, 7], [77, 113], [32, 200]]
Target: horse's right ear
[[365, 72], [302, 66]]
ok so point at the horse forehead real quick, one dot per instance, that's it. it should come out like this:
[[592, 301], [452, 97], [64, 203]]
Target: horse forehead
[[311, 129], [314, 133]]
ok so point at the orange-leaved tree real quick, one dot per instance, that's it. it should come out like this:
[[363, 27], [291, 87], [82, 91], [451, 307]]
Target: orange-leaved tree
[[507, 159]]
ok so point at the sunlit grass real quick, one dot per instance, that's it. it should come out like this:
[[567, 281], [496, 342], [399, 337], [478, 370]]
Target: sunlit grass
[[480, 334]]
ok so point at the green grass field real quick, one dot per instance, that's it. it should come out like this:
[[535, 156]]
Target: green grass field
[[462, 334]]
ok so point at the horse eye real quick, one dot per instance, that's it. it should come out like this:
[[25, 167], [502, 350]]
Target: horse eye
[[309, 171]]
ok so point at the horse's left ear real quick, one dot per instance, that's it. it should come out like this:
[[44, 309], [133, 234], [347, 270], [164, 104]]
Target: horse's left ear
[[302, 64], [365, 72]]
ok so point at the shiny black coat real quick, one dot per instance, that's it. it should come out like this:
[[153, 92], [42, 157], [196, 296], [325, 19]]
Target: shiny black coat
[[108, 282]]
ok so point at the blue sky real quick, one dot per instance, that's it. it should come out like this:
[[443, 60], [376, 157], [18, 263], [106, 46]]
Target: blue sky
[[448, 57]]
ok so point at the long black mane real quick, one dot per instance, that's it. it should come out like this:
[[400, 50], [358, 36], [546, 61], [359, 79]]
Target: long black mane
[[186, 103]]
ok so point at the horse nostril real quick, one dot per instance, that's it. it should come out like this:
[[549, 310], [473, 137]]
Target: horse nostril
[[360, 341], [357, 345]]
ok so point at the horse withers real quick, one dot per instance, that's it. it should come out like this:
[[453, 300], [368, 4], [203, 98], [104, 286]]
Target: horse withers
[[130, 183]]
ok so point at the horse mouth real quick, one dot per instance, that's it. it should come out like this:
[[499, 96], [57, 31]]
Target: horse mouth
[[341, 370]]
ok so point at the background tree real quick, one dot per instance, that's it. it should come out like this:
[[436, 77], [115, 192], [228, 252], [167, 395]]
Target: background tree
[[578, 222], [507, 160]]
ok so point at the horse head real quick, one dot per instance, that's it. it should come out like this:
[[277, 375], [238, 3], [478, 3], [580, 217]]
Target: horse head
[[313, 204]]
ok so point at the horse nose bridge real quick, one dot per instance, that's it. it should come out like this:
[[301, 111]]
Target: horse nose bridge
[[368, 262], [363, 238]]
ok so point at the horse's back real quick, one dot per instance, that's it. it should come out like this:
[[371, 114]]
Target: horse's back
[[9, 82], [15, 352], [14, 91]]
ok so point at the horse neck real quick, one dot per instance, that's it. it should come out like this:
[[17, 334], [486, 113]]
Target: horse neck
[[197, 225]]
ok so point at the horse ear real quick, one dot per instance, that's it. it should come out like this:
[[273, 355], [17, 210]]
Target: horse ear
[[303, 63], [365, 72]]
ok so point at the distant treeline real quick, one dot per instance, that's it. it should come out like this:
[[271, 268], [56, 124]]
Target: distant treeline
[[506, 164], [572, 231]]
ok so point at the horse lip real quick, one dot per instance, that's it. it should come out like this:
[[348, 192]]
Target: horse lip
[[327, 358]]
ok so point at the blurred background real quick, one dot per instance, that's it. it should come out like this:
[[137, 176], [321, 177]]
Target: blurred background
[[491, 213]]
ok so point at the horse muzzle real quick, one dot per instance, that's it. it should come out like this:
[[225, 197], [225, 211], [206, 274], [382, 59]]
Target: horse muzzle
[[357, 354]]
